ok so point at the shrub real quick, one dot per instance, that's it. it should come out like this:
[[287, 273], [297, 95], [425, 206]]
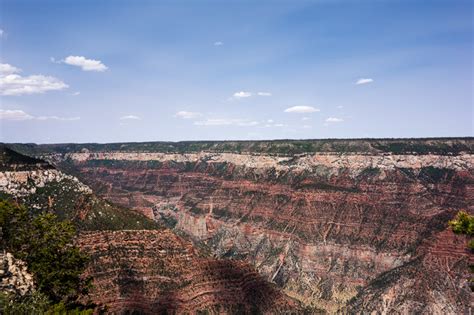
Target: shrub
[[464, 224]]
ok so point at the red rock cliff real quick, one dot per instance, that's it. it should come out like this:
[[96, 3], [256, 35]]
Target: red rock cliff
[[322, 226], [154, 272]]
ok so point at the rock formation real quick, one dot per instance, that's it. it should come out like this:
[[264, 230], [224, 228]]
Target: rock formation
[[359, 226], [134, 271], [14, 276], [154, 272]]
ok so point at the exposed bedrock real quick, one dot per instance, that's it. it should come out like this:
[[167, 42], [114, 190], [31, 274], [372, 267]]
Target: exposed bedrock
[[154, 272], [321, 226], [436, 282]]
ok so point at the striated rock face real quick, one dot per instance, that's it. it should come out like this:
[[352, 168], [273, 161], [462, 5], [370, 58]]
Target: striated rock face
[[134, 271], [323, 226], [436, 282], [158, 272]]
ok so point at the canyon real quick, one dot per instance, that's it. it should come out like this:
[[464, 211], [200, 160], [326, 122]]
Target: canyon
[[338, 225], [136, 265]]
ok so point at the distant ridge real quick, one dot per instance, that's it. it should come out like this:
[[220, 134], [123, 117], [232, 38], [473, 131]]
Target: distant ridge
[[11, 160], [447, 146]]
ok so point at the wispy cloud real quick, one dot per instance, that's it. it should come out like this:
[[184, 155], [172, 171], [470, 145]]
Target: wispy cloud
[[218, 43], [187, 115], [264, 94], [57, 118], [271, 123], [12, 83], [364, 81], [242, 94], [14, 114], [301, 109], [76, 93], [19, 115], [84, 63], [334, 120], [130, 117], [227, 122]]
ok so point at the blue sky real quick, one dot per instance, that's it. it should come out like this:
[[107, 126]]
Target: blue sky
[[110, 71]]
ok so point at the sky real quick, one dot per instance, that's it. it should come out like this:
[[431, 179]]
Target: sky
[[119, 71]]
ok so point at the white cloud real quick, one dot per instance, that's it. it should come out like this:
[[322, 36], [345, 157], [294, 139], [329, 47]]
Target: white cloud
[[270, 121], [129, 117], [1, 32], [15, 114], [242, 94], [226, 122], [364, 81], [340, 107], [305, 118], [76, 93], [301, 109], [187, 115], [11, 83], [18, 115], [264, 94], [218, 43], [85, 64], [6, 68], [334, 120], [307, 127]]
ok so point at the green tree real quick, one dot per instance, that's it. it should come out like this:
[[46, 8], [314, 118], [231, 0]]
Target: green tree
[[464, 224], [46, 245]]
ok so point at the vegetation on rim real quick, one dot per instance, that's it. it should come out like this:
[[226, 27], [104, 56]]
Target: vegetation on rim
[[46, 245]]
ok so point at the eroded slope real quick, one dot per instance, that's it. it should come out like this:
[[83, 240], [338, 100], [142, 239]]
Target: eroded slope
[[139, 271], [323, 225]]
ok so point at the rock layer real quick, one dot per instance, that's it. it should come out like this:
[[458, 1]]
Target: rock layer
[[322, 226], [154, 272], [133, 271]]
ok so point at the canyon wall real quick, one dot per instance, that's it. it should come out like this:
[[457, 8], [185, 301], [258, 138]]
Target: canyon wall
[[157, 272], [333, 229], [147, 270], [39, 186]]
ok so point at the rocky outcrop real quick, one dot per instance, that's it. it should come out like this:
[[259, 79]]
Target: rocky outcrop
[[323, 226], [14, 276], [154, 272], [24, 183], [39, 186]]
